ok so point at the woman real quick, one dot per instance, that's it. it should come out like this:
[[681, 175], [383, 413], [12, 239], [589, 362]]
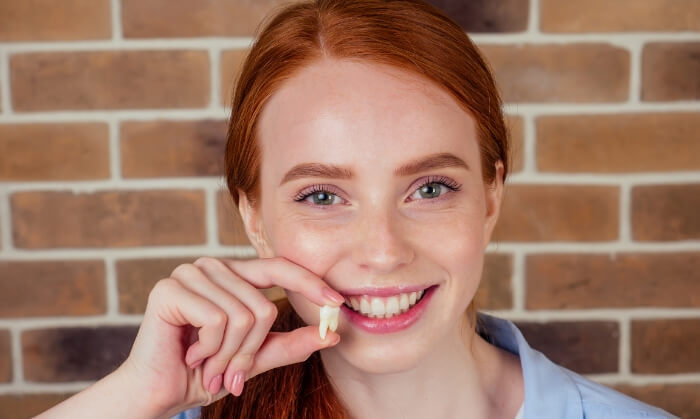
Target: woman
[[367, 154]]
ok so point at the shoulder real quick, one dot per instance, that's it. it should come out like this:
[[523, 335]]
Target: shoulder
[[193, 413]]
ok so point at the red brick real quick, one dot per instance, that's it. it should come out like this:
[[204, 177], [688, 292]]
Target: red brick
[[54, 151], [589, 347], [581, 281], [619, 143], [75, 353], [52, 288], [231, 64], [173, 148], [67, 20], [517, 142], [619, 15], [670, 69], [26, 406], [231, 228], [46, 219], [539, 213], [665, 346], [665, 212], [86, 80], [495, 291], [679, 399], [184, 18], [5, 357], [485, 15], [560, 73]]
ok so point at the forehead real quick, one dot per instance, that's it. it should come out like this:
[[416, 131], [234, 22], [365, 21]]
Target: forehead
[[347, 112]]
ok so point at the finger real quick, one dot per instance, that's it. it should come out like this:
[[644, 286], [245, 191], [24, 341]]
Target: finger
[[239, 321], [266, 273]]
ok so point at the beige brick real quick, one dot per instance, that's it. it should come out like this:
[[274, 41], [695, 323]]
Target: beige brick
[[54, 151], [487, 16], [670, 70], [560, 72], [52, 288], [665, 212], [665, 346], [231, 228], [517, 138], [173, 148], [67, 20], [86, 80], [537, 213], [46, 219], [679, 399], [494, 292], [231, 65], [619, 143], [619, 15], [616, 280], [26, 406], [5, 358]]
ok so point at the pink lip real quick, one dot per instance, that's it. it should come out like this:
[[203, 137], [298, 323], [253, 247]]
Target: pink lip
[[393, 324], [382, 292]]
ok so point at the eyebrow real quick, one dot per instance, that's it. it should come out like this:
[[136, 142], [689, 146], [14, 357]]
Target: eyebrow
[[431, 162]]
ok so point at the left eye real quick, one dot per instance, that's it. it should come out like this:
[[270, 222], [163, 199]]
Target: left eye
[[323, 198], [430, 190]]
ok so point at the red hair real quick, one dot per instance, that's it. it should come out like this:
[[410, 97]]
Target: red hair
[[411, 35]]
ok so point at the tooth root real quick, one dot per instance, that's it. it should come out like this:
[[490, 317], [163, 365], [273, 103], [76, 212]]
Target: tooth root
[[323, 328], [329, 319], [333, 321]]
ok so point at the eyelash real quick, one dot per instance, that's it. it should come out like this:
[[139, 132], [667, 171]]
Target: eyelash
[[447, 182]]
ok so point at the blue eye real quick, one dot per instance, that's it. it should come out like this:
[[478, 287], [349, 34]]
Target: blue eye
[[435, 187], [320, 194]]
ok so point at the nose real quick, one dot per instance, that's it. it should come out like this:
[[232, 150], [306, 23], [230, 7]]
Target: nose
[[381, 244]]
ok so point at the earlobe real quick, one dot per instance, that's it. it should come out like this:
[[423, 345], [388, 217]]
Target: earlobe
[[253, 225], [494, 196]]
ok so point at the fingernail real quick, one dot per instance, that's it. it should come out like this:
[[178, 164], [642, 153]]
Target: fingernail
[[332, 341], [215, 384], [237, 384], [333, 296], [194, 365]]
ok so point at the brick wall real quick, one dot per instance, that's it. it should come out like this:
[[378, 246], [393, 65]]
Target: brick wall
[[112, 123]]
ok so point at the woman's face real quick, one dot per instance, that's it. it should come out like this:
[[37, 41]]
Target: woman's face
[[371, 179]]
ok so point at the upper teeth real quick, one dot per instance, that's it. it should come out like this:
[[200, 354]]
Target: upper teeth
[[384, 307]]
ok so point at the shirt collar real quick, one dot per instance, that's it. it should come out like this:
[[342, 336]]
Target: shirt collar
[[549, 391]]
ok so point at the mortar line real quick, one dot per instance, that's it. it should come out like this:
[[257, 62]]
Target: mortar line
[[5, 85], [625, 348], [111, 287], [116, 10]]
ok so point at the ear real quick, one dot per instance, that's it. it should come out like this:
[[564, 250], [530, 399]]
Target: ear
[[254, 228], [494, 197]]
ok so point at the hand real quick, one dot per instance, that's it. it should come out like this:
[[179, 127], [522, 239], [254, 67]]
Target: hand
[[206, 329]]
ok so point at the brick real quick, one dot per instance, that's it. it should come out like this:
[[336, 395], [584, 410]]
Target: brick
[[670, 70], [52, 288], [587, 347], [136, 278], [618, 16], [581, 281], [184, 18], [485, 15], [516, 127], [87, 80], [679, 399], [5, 357], [665, 346], [539, 213], [231, 65], [48, 219], [67, 20], [619, 143], [231, 228], [26, 406], [173, 148], [560, 72], [494, 292], [30, 152], [75, 353], [665, 212]]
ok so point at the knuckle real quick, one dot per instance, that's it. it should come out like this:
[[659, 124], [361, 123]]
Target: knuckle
[[267, 312], [183, 270], [207, 261], [243, 321], [242, 361], [218, 319]]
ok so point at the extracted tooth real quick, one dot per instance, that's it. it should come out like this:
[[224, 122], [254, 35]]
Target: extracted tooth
[[329, 320]]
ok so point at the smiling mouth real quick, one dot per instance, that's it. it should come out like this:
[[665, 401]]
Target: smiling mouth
[[384, 307]]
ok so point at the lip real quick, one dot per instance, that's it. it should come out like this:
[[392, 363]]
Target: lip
[[382, 292], [393, 324]]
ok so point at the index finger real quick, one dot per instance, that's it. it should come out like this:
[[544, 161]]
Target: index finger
[[268, 272]]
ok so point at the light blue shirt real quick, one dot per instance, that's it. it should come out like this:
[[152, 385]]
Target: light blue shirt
[[551, 391]]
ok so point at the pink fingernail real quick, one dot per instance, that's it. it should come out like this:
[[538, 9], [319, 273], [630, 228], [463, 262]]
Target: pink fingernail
[[237, 384], [215, 384], [332, 295]]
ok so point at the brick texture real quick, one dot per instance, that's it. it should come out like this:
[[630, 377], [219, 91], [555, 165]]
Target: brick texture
[[83, 80], [231, 62], [52, 288], [670, 70], [558, 213], [619, 143], [618, 16], [665, 212], [75, 354], [589, 347], [173, 148], [54, 151], [516, 126], [560, 73], [45, 219], [680, 399], [665, 346], [581, 281], [495, 291], [67, 20], [26, 406], [5, 357], [485, 15], [231, 228]]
